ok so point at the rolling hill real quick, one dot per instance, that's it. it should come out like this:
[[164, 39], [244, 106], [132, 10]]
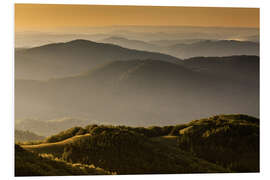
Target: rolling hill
[[221, 143]]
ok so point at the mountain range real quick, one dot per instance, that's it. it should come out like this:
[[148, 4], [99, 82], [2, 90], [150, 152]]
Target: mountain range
[[146, 92], [183, 34], [74, 57]]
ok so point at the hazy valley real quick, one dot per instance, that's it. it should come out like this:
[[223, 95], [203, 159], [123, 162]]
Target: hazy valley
[[137, 100]]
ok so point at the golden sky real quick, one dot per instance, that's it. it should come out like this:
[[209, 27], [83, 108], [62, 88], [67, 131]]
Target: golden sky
[[48, 17]]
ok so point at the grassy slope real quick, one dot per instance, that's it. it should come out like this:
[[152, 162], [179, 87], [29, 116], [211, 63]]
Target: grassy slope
[[56, 148]]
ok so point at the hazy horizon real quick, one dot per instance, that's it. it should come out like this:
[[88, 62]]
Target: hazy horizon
[[128, 55], [48, 16], [141, 33]]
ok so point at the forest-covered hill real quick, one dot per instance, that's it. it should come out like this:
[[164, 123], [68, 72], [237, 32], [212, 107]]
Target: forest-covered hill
[[222, 143]]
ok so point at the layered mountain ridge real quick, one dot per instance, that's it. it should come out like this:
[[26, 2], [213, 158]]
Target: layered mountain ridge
[[71, 58]]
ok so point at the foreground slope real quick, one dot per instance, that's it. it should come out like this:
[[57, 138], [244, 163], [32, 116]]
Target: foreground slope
[[125, 151], [32, 164]]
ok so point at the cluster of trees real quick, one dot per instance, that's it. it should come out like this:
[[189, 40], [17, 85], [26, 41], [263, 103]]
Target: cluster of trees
[[94, 129], [231, 141]]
